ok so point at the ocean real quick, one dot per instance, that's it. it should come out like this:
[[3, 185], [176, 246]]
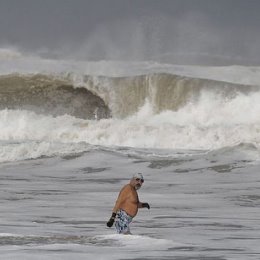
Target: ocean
[[72, 133]]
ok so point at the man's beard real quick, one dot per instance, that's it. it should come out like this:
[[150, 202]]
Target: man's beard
[[137, 186]]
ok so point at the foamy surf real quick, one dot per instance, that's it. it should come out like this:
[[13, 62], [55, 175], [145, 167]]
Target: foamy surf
[[141, 242], [138, 242]]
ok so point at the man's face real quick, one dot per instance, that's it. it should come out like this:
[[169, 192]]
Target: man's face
[[138, 183]]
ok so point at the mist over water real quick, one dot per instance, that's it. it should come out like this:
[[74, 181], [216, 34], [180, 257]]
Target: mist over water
[[188, 37], [191, 40]]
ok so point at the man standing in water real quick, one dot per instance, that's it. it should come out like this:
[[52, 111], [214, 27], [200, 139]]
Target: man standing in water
[[127, 205]]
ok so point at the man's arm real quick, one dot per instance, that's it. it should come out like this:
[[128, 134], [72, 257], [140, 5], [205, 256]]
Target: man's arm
[[143, 205], [121, 198]]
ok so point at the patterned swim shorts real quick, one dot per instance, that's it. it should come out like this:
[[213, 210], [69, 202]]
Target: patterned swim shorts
[[122, 222]]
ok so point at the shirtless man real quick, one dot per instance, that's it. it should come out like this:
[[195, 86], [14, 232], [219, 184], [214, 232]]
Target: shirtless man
[[127, 205]]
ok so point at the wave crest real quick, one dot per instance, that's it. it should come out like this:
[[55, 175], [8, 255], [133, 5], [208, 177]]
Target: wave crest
[[48, 95], [126, 95]]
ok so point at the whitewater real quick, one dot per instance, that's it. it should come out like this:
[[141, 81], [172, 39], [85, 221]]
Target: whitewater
[[72, 133]]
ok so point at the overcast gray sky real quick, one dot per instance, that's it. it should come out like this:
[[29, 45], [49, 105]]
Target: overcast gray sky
[[216, 32]]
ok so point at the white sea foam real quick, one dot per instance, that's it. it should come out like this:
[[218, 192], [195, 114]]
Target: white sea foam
[[10, 235], [140, 242], [211, 123]]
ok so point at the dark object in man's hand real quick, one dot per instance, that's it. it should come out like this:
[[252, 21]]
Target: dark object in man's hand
[[146, 205], [111, 220]]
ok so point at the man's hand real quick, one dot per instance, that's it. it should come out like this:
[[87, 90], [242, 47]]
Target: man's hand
[[111, 220], [145, 205]]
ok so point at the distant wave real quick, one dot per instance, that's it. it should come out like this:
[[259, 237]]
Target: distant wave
[[98, 97]]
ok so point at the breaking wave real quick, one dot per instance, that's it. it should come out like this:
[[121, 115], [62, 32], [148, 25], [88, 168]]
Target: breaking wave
[[49, 95], [48, 114], [98, 97]]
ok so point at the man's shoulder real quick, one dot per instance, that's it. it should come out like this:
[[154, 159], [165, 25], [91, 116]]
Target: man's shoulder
[[127, 187]]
